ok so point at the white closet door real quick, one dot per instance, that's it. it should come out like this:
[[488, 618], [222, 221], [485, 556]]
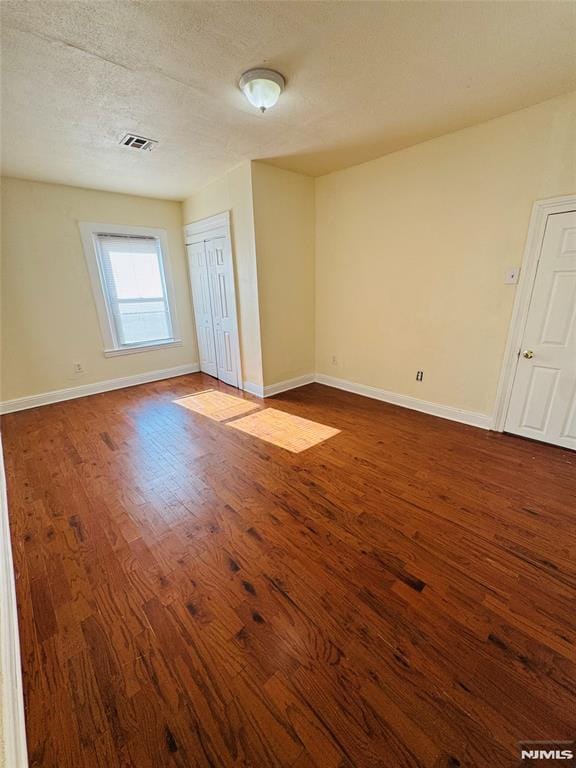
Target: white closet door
[[223, 301], [543, 404], [202, 307]]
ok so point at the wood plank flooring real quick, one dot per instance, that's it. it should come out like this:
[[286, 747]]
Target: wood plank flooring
[[403, 594]]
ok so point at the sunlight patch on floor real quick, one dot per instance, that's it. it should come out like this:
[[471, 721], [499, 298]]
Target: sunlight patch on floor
[[216, 405], [284, 429]]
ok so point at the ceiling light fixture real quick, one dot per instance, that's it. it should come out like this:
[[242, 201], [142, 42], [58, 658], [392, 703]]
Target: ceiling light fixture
[[262, 87]]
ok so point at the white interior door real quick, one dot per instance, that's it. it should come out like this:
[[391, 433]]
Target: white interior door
[[202, 307], [223, 300], [543, 402]]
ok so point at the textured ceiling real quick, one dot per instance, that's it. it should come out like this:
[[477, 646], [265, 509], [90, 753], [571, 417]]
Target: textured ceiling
[[364, 79]]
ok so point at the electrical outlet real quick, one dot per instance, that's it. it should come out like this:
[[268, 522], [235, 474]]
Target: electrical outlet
[[334, 360], [419, 375], [78, 369]]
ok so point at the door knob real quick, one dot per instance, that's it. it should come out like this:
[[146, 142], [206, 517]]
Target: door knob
[[528, 354]]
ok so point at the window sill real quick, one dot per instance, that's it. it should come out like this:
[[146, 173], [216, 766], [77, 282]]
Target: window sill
[[142, 348]]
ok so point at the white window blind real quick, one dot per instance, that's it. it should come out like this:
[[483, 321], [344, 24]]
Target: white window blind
[[135, 289]]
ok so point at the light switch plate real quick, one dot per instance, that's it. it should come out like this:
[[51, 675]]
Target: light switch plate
[[512, 276]]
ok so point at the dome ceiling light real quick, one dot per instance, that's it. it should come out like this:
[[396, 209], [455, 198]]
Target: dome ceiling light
[[262, 87]]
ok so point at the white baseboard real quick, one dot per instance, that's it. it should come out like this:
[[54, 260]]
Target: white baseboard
[[281, 386], [253, 389], [284, 386], [258, 390], [58, 395], [405, 401], [12, 728]]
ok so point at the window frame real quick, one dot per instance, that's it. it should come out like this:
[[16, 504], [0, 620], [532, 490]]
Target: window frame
[[90, 231]]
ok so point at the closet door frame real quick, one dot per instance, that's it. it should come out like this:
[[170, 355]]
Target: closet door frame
[[205, 229]]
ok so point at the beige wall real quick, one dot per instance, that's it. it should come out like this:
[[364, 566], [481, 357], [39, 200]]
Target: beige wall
[[234, 192], [284, 224], [412, 250], [49, 319]]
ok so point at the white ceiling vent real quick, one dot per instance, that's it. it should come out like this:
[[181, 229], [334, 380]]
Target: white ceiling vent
[[137, 142]]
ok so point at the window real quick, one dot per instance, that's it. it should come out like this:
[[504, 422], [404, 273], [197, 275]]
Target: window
[[133, 281], [131, 286]]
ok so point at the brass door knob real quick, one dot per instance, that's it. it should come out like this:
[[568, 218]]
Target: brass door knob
[[528, 354]]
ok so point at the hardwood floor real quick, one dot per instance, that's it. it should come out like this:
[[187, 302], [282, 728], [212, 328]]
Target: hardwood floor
[[402, 594]]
